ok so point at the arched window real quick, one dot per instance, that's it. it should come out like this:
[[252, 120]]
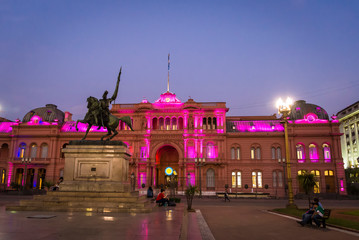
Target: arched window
[[279, 153], [204, 123], [161, 123], [300, 152], [233, 153], [214, 123], [326, 152], [316, 174], [313, 152], [236, 179], [180, 123], [44, 150], [21, 150], [210, 150], [258, 153], [33, 150], [257, 179], [273, 152], [253, 153], [154, 124], [174, 123], [280, 179], [238, 151], [210, 178], [168, 123], [209, 124], [4, 151]]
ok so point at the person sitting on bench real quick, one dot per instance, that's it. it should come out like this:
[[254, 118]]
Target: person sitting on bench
[[162, 198]]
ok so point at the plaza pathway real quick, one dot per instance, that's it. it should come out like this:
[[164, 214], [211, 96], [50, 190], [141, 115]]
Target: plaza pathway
[[239, 219]]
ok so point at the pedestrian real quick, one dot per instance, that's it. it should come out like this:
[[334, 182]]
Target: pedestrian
[[149, 192], [226, 195]]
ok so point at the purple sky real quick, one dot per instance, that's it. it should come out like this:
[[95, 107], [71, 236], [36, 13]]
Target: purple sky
[[245, 53]]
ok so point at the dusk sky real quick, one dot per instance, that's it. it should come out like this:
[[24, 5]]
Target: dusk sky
[[245, 53]]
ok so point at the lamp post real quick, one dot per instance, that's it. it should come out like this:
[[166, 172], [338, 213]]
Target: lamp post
[[25, 161], [200, 163], [133, 181], [284, 110]]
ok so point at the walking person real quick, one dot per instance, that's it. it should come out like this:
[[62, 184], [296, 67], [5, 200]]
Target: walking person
[[226, 195]]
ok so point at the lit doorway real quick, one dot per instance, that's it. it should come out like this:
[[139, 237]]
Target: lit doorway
[[166, 156]]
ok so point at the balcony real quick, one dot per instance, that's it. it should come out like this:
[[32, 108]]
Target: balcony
[[203, 160], [33, 160]]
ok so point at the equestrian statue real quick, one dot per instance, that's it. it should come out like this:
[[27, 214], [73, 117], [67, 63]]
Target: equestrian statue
[[99, 115]]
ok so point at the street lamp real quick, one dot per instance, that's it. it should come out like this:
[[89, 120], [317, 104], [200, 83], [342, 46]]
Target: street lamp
[[133, 181], [284, 110], [25, 161], [200, 163]]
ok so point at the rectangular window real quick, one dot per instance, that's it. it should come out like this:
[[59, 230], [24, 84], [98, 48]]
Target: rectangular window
[[274, 179], [239, 180], [233, 179], [280, 179], [143, 152], [238, 153], [252, 153], [259, 179], [232, 153], [254, 179], [258, 153]]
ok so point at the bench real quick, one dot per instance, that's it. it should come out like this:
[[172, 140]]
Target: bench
[[325, 217]]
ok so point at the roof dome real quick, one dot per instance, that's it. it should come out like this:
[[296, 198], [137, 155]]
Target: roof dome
[[311, 112], [47, 114]]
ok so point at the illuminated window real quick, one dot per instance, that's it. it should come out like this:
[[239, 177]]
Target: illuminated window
[[316, 174], [238, 150], [33, 150], [44, 150], [3, 176], [257, 179], [41, 174], [210, 178], [210, 150], [161, 124], [174, 123], [313, 152], [301, 172], [143, 152], [19, 175], [21, 150], [236, 179], [326, 152], [168, 123], [253, 152], [300, 152], [328, 173], [142, 179]]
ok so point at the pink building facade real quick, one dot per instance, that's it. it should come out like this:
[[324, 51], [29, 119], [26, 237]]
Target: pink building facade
[[194, 142]]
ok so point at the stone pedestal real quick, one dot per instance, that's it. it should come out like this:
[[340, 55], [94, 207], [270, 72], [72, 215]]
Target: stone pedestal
[[96, 168], [95, 180]]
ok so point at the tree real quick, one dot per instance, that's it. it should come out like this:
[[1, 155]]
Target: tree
[[307, 182], [190, 192]]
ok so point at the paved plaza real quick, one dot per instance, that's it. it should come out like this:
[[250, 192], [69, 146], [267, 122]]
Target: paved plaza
[[214, 219]]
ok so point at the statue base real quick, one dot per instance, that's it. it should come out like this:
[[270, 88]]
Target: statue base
[[95, 180]]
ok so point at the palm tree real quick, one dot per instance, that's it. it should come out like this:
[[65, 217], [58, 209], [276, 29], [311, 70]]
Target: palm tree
[[190, 192], [307, 182]]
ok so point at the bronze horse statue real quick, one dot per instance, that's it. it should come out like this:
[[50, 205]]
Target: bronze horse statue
[[111, 124]]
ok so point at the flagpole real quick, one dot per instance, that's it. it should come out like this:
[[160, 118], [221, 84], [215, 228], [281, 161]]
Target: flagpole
[[168, 75]]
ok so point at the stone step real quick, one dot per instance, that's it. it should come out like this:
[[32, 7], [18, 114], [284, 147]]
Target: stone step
[[79, 209], [83, 204], [94, 199], [93, 194]]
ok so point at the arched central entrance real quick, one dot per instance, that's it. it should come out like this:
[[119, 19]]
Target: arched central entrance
[[166, 156]]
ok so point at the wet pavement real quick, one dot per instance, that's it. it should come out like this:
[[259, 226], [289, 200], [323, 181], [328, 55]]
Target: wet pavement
[[238, 219]]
